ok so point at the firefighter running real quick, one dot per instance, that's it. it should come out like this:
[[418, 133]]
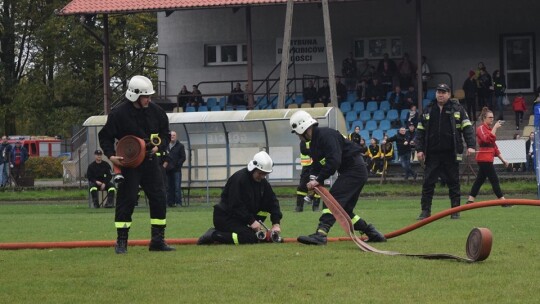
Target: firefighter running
[[141, 118], [341, 155]]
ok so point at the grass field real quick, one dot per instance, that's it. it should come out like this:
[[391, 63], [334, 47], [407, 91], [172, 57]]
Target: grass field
[[269, 273]]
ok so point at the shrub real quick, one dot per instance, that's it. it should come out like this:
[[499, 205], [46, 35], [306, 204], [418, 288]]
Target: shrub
[[45, 167]]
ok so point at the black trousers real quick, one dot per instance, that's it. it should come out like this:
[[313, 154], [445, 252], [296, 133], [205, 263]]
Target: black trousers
[[94, 188], [304, 179], [486, 170], [230, 230], [346, 190], [150, 177], [437, 163]]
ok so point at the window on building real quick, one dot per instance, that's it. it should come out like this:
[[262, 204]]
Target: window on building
[[226, 54]]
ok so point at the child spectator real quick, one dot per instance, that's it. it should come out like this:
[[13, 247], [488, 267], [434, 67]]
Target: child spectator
[[519, 107], [375, 157]]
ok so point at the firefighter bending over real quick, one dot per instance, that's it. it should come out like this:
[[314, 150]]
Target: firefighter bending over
[[246, 201]]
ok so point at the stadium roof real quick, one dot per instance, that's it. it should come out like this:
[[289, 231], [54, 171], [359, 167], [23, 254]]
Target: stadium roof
[[80, 7]]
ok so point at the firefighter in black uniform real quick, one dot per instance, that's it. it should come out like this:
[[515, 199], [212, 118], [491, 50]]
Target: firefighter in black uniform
[[343, 156], [246, 199], [439, 141], [99, 175], [302, 193], [139, 117]]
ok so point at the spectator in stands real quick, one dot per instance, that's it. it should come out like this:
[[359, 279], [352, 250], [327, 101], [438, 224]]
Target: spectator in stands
[[411, 133], [376, 91], [349, 71], [364, 150], [341, 91], [486, 138], [519, 107], [485, 86], [362, 90], [174, 159], [470, 88], [397, 99], [375, 156], [5, 153], [411, 96], [387, 151], [99, 175], [529, 148], [196, 98], [424, 69], [387, 70], [499, 88], [407, 70], [367, 71], [183, 98], [355, 136], [19, 156], [402, 139], [310, 93], [324, 93], [412, 117], [237, 97]]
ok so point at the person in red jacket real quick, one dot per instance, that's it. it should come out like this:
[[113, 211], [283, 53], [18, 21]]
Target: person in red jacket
[[485, 136], [519, 107]]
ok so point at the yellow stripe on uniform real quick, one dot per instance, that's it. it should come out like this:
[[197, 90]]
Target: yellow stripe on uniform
[[93, 189], [301, 193], [355, 219], [122, 224], [263, 213], [326, 211], [235, 239], [161, 222]]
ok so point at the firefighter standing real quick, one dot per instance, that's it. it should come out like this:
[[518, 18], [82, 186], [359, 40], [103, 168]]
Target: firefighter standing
[[339, 155], [246, 199], [302, 193], [99, 178], [141, 118], [439, 142]]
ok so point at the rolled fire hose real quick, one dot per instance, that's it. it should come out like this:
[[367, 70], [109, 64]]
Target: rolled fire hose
[[478, 245], [133, 151]]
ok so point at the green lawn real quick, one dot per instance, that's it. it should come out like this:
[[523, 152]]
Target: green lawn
[[269, 273]]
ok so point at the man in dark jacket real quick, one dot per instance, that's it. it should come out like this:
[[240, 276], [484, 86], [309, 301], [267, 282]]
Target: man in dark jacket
[[246, 201], [402, 140], [19, 156], [331, 152], [439, 142], [99, 175], [174, 159], [141, 118]]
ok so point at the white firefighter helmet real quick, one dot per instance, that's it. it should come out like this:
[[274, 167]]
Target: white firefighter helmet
[[300, 121], [139, 85], [261, 161]]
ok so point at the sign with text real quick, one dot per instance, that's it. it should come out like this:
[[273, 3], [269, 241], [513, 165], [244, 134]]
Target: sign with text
[[303, 50]]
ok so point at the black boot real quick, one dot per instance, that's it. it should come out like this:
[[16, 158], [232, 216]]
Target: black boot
[[95, 200], [368, 229], [424, 214], [318, 238], [157, 243], [299, 203], [316, 203], [121, 240], [206, 238], [110, 200]]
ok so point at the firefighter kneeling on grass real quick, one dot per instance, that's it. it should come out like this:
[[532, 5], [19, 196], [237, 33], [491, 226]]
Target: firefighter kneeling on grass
[[246, 201]]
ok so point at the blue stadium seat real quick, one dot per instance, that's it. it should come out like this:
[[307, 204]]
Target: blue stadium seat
[[202, 109], [345, 107], [211, 101], [385, 125], [365, 135], [378, 134], [371, 125], [388, 94], [222, 102], [365, 116], [403, 116], [356, 123], [191, 109], [391, 132], [372, 106], [385, 105], [215, 108], [425, 102], [358, 107], [392, 115], [430, 94], [350, 117], [274, 99], [288, 101], [299, 99], [379, 115]]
